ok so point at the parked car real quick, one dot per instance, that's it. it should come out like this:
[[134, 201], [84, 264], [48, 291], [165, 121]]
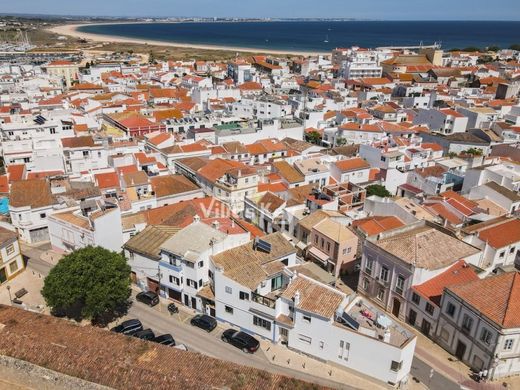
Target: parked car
[[182, 347], [128, 327], [204, 321], [165, 339], [241, 340], [149, 298], [146, 334]]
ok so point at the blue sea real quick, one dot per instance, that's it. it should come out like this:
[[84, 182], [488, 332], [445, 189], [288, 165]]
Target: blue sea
[[321, 36]]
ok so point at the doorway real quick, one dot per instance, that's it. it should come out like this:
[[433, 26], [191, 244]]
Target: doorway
[[186, 301], [425, 327], [396, 308], [3, 276], [461, 350], [194, 303], [412, 317]]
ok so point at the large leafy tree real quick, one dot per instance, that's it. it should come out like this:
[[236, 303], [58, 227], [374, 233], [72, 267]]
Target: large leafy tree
[[90, 283], [379, 190]]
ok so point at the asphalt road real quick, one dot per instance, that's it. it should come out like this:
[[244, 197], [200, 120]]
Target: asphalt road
[[197, 340]]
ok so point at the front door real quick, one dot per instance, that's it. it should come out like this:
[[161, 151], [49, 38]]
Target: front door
[[194, 303], [396, 308], [186, 300], [461, 350], [412, 317], [425, 327], [3, 276]]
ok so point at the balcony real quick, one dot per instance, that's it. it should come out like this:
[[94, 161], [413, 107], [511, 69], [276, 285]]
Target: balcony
[[263, 304]]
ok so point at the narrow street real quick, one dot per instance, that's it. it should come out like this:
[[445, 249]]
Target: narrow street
[[197, 340]]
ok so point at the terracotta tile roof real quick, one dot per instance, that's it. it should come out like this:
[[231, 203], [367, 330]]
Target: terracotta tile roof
[[441, 210], [495, 297], [215, 169], [270, 202], [78, 142], [288, 172], [435, 171], [502, 235], [426, 247], [374, 225], [121, 362], [16, 172], [314, 298], [4, 184], [34, 193], [107, 180], [273, 187], [247, 266], [458, 273], [135, 179], [171, 185], [352, 164], [127, 169]]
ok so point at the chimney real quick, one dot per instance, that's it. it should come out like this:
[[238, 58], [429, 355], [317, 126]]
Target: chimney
[[196, 218], [297, 298], [216, 224]]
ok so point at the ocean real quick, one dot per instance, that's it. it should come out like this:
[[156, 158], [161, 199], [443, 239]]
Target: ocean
[[320, 36]]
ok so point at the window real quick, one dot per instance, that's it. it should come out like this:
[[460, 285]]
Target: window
[[200, 283], [344, 350], [384, 274], [85, 153], [305, 339], [508, 344], [365, 284], [13, 267], [316, 240], [485, 336], [210, 274], [322, 344], [416, 298], [229, 290], [369, 265], [429, 308], [399, 286], [244, 296], [307, 319], [328, 246], [201, 264], [10, 249], [276, 282], [261, 323], [175, 280], [502, 254], [52, 130], [229, 309], [467, 323], [450, 309], [380, 294], [42, 215], [512, 250], [396, 366], [322, 243]]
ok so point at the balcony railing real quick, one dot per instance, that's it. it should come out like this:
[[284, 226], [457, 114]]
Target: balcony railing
[[271, 303]]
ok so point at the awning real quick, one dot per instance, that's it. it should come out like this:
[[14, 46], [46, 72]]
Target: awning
[[318, 254], [301, 245]]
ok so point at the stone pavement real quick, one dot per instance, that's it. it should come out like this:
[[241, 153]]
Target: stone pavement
[[33, 283]]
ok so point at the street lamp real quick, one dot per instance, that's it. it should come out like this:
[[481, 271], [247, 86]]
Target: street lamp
[[10, 298]]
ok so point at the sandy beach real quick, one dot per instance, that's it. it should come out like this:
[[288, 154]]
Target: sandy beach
[[72, 30]]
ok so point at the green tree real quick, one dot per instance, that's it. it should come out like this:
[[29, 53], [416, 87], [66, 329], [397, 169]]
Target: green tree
[[516, 46], [379, 190], [493, 48], [314, 137], [90, 283], [473, 151], [340, 141], [471, 48]]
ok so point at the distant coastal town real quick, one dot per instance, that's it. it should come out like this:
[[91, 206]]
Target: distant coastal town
[[284, 211]]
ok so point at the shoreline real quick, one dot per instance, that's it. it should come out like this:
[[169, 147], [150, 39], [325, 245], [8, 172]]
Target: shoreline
[[72, 30]]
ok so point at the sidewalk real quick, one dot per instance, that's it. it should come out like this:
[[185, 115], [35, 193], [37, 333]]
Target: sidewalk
[[281, 356], [442, 361]]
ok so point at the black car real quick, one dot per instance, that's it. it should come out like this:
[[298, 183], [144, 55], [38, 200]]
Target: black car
[[150, 298], [146, 334], [204, 321], [241, 340], [165, 339], [128, 327]]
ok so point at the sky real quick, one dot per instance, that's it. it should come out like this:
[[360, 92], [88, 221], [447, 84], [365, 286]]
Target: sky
[[368, 9]]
